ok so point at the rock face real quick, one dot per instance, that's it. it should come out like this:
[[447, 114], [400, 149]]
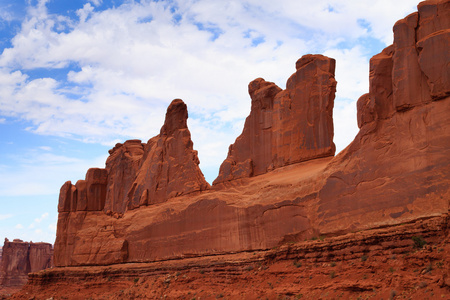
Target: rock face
[[395, 171], [339, 267], [170, 165], [136, 174], [20, 258], [403, 147], [286, 126]]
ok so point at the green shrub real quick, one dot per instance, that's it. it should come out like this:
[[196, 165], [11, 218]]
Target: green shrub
[[332, 274], [419, 242]]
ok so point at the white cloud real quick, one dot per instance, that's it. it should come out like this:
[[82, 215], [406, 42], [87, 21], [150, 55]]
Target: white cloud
[[5, 216], [124, 65], [40, 219], [96, 2], [52, 227], [2, 120], [46, 148], [19, 226], [53, 170]]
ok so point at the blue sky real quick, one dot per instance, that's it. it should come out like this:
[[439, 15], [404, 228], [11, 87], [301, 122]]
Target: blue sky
[[78, 76]]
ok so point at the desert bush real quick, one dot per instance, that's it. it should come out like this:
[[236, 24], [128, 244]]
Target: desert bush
[[419, 242]]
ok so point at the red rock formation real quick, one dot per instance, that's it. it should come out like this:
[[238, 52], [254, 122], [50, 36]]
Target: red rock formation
[[20, 258], [85, 195], [136, 175], [369, 265], [285, 127], [395, 171], [122, 166], [170, 165], [403, 147]]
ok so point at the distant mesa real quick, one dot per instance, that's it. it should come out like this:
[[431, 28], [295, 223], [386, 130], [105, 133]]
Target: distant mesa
[[280, 181], [18, 258]]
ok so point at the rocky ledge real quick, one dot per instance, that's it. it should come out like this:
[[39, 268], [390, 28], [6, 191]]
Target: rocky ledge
[[410, 261]]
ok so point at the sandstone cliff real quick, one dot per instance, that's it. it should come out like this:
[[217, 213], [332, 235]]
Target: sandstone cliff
[[136, 174], [285, 126], [20, 258], [139, 174], [407, 261], [395, 171]]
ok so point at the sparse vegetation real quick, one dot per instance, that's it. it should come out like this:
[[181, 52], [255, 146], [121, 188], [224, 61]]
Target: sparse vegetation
[[333, 264], [429, 268], [364, 257], [419, 242], [332, 274], [391, 269], [393, 294], [248, 268], [136, 280], [423, 284], [297, 263]]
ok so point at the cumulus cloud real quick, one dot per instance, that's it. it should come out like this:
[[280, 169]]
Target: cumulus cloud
[[5, 216], [122, 66], [43, 216], [19, 179], [52, 227]]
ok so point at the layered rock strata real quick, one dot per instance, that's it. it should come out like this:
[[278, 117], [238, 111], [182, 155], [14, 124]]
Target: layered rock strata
[[412, 260], [395, 171], [20, 258], [136, 174], [285, 126]]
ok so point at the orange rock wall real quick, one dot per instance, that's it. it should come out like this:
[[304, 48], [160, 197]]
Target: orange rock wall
[[395, 171], [136, 174], [20, 258], [285, 126]]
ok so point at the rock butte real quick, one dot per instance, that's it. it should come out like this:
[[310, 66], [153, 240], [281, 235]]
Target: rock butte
[[285, 127], [280, 183], [18, 258]]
